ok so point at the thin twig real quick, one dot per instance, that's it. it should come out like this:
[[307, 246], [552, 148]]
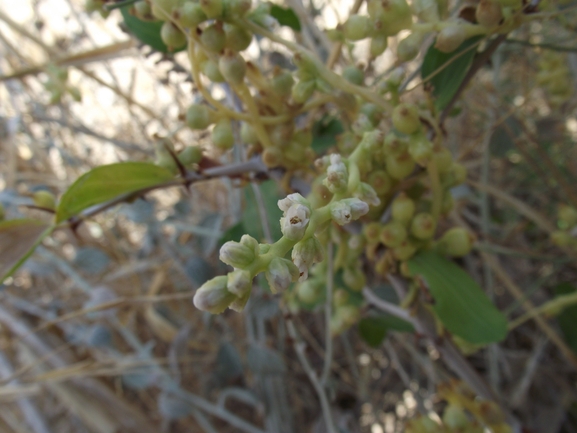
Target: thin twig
[[328, 358]]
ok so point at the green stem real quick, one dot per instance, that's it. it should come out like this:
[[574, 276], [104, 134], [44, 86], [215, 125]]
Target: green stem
[[436, 189], [28, 253]]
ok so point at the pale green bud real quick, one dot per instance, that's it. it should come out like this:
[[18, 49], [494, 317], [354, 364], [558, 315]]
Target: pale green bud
[[239, 282], [236, 254], [280, 273], [305, 253], [213, 296], [367, 193]]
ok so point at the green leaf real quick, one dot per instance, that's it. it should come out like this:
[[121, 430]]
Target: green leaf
[[446, 82], [147, 32], [18, 239], [567, 319], [286, 17], [325, 133], [460, 303], [251, 219], [107, 182], [373, 329]]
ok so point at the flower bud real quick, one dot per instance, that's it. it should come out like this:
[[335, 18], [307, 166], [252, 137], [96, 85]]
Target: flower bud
[[143, 11], [456, 242], [305, 253], [409, 47], [213, 296], [212, 8], [354, 75], [282, 83], [213, 38], [420, 149], [337, 174], [248, 133], [423, 226], [357, 27], [237, 39], [400, 166], [44, 199], [237, 254], [190, 155], [199, 116], [286, 203], [426, 10], [295, 222], [404, 251], [190, 15], [172, 36], [280, 273], [393, 234], [394, 144], [380, 181], [239, 282], [450, 38], [210, 69], [303, 90], [488, 13], [367, 194], [235, 8], [345, 211], [239, 303], [221, 135], [391, 16], [406, 118], [379, 44], [232, 67], [403, 209]]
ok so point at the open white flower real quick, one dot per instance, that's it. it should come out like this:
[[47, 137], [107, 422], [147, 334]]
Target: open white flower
[[295, 221]]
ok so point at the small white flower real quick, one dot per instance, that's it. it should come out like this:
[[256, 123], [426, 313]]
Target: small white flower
[[306, 253], [341, 213], [358, 207], [291, 200], [295, 221], [337, 174]]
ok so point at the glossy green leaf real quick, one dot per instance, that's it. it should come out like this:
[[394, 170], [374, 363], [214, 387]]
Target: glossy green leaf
[[286, 17], [567, 319], [147, 32], [18, 239], [447, 81], [107, 182], [460, 304]]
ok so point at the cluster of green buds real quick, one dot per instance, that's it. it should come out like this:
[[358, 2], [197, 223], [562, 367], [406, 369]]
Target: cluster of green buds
[[566, 236], [388, 18], [57, 84]]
